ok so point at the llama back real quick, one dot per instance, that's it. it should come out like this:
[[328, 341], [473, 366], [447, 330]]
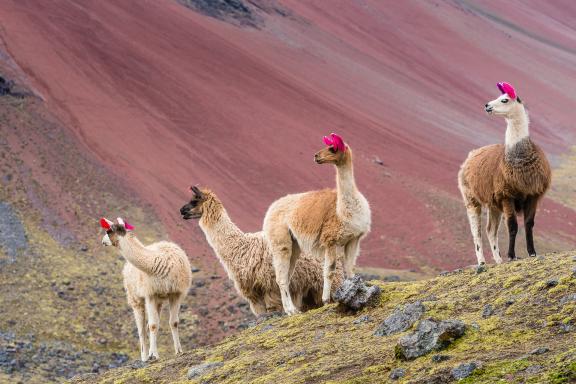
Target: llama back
[[171, 269]]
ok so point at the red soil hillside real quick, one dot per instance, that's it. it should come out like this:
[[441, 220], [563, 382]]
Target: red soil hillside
[[165, 97]]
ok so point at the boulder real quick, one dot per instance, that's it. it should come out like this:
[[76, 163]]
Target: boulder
[[354, 294], [430, 335], [401, 319]]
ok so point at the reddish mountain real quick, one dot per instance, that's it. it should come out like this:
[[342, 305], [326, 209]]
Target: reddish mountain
[[236, 96]]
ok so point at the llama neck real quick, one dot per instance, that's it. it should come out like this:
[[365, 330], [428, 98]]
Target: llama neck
[[517, 128], [136, 253], [345, 185], [222, 234]]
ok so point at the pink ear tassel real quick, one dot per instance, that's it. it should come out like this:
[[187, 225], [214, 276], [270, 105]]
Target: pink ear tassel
[[338, 143], [128, 226], [327, 141], [507, 88]]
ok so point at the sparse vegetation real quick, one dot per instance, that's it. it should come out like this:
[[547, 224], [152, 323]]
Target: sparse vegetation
[[530, 336]]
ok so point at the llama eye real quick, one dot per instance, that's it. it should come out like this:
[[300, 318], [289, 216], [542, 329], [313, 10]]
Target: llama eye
[[332, 150], [504, 101]]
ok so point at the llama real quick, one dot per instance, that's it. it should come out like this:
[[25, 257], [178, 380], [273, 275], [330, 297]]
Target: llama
[[507, 179], [153, 274], [329, 223], [247, 259]]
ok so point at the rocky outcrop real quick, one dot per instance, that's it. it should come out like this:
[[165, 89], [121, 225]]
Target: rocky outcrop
[[354, 294], [430, 335]]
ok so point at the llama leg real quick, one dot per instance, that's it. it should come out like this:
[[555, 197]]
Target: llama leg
[[281, 245], [351, 253], [174, 302], [294, 257], [330, 259], [153, 325], [475, 219], [140, 317], [512, 224], [529, 214], [258, 307], [494, 218]]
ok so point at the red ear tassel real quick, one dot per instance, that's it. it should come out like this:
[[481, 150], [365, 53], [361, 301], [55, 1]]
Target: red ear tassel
[[104, 223]]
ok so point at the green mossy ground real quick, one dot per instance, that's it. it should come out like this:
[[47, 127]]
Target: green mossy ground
[[325, 346]]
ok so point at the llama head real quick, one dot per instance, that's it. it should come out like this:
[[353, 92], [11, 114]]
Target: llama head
[[336, 153], [507, 104], [114, 231], [195, 208]]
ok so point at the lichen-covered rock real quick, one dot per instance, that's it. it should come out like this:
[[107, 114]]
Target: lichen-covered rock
[[401, 319], [397, 373], [354, 294], [464, 370], [199, 370], [430, 335], [487, 311]]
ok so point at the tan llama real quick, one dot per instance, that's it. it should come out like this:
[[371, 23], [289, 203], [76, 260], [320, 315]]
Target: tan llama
[[328, 223]]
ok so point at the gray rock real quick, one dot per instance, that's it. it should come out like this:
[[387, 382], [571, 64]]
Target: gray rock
[[362, 319], [533, 369], [397, 373], [540, 258], [430, 335], [464, 370], [440, 358], [573, 271], [487, 311], [568, 298], [444, 273], [574, 258], [565, 328], [201, 369], [540, 351], [137, 364], [551, 283], [354, 294], [401, 319]]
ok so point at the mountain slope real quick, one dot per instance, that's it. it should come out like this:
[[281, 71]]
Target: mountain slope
[[168, 97], [528, 335]]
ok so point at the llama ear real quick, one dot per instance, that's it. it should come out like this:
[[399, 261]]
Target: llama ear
[[507, 88], [338, 143], [105, 223], [120, 222], [197, 192]]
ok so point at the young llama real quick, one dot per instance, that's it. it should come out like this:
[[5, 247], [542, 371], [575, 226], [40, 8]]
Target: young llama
[[328, 223], [153, 274], [248, 260], [509, 178]]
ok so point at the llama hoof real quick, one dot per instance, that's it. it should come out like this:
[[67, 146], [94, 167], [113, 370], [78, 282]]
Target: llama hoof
[[533, 254], [152, 358], [481, 268], [291, 312], [514, 258]]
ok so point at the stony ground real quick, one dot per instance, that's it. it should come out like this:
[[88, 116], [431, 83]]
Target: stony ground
[[520, 328]]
